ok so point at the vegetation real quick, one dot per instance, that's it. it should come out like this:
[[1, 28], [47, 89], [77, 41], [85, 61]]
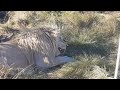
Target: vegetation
[[92, 39]]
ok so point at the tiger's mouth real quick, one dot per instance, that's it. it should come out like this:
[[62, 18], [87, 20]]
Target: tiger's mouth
[[62, 51]]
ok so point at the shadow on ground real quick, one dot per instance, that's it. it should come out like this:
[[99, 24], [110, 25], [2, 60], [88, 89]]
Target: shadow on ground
[[75, 49]]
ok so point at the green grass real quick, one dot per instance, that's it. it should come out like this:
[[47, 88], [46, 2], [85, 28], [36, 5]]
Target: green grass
[[91, 37]]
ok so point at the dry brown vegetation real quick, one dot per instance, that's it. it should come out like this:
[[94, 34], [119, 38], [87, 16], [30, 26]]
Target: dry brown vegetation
[[92, 38]]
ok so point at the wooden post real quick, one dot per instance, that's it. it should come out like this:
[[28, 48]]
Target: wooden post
[[117, 61]]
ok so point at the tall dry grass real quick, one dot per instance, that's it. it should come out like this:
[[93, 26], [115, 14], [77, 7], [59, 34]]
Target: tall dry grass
[[92, 38]]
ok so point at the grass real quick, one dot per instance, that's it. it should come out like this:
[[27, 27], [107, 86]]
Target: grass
[[92, 40]]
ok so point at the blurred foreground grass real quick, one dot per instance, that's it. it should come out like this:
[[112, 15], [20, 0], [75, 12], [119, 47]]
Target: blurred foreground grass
[[92, 39]]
